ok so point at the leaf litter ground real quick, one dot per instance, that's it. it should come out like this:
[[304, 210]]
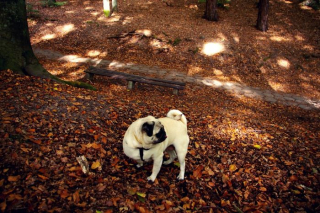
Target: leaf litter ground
[[244, 155]]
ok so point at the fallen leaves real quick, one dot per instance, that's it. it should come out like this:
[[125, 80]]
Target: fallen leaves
[[96, 165], [197, 173], [232, 167], [14, 178], [234, 162]]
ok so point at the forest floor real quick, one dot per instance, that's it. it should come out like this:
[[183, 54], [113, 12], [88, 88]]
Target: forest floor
[[245, 155]]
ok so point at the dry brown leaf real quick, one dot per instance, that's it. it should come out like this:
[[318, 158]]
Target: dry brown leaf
[[95, 164], [14, 178]]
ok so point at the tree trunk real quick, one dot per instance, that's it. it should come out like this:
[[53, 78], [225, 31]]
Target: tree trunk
[[262, 21], [211, 12], [114, 5], [16, 52], [106, 8]]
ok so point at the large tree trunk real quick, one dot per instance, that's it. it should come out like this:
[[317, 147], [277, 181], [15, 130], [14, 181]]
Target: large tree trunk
[[262, 21], [16, 52], [211, 12]]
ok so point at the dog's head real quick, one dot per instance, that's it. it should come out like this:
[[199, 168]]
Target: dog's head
[[153, 131]]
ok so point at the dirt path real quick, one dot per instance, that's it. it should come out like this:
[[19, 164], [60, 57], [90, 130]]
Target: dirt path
[[236, 89], [285, 59]]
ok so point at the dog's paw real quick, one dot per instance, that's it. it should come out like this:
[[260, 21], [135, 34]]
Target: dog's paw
[[150, 178], [139, 165], [180, 178]]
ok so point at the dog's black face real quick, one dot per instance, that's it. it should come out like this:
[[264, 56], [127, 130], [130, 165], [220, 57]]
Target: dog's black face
[[154, 132]]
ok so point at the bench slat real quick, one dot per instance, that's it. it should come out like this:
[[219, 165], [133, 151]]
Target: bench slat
[[135, 78], [116, 74]]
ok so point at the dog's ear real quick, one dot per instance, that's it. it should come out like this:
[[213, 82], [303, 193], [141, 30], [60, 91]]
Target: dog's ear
[[147, 127]]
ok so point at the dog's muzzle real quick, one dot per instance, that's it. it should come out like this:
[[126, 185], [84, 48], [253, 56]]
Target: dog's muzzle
[[161, 135]]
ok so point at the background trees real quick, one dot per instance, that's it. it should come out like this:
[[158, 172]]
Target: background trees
[[262, 21], [211, 12], [109, 7]]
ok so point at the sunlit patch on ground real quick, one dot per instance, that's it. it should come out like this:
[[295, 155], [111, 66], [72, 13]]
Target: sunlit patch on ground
[[217, 72], [78, 73], [284, 63], [93, 53], [299, 38], [308, 47], [212, 48], [48, 36], [236, 37], [94, 13], [65, 29], [56, 72], [276, 86], [145, 32], [194, 70], [280, 38]]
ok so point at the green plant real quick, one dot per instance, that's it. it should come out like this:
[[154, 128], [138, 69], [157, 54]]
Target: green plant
[[224, 4], [220, 3], [176, 41], [53, 3], [31, 12]]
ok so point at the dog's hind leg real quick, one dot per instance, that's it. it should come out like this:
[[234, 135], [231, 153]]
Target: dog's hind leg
[[182, 161], [172, 155]]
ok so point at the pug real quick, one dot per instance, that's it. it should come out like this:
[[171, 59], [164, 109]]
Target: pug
[[148, 138]]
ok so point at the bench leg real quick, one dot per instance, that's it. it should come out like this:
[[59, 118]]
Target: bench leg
[[89, 76], [175, 91], [130, 85]]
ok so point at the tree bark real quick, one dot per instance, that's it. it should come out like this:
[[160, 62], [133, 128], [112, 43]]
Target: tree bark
[[114, 6], [211, 13], [16, 52], [262, 21]]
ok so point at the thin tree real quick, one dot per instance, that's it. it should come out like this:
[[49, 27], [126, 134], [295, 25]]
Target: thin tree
[[211, 13], [16, 52], [109, 7], [262, 21]]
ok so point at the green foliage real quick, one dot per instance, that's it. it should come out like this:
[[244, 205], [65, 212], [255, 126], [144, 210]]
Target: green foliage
[[194, 51], [106, 13], [224, 4], [52, 3], [74, 83], [311, 3], [220, 3], [31, 12], [175, 42]]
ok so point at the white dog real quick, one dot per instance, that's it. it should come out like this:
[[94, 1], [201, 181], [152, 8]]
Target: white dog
[[147, 138]]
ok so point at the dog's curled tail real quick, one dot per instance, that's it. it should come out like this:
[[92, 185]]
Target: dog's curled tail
[[177, 115]]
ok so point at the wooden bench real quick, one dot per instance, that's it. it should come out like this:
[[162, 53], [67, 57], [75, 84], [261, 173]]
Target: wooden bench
[[91, 71]]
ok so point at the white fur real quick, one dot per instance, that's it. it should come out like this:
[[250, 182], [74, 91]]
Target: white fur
[[177, 136], [177, 115]]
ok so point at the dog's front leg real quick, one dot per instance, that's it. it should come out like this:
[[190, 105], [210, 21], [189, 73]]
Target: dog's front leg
[[140, 163], [157, 162]]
